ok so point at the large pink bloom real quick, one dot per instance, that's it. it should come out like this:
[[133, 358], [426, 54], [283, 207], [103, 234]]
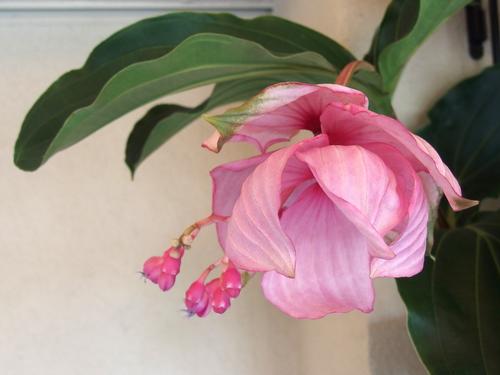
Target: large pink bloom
[[322, 217]]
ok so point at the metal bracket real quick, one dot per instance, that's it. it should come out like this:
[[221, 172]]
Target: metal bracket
[[476, 29]]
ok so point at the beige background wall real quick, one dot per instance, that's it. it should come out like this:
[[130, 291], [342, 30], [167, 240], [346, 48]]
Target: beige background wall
[[73, 234]]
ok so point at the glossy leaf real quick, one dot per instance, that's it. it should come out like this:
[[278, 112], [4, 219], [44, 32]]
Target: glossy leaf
[[146, 40], [454, 305], [199, 60], [465, 129], [398, 21], [402, 32]]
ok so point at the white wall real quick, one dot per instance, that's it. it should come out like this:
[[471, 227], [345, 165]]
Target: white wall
[[74, 233]]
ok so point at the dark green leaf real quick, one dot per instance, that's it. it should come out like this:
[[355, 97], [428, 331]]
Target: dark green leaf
[[398, 21], [146, 40], [417, 296], [199, 60], [402, 32], [465, 130], [454, 304]]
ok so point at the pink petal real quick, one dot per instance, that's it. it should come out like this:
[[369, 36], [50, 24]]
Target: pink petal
[[227, 180], [362, 186], [353, 124], [410, 246], [212, 142], [432, 191], [411, 234], [255, 240], [332, 267], [400, 167], [278, 113]]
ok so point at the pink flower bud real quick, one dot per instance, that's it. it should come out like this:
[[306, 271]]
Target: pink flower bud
[[231, 282], [154, 275], [171, 266], [151, 265], [172, 260], [212, 286], [196, 298], [206, 309], [166, 281], [220, 301]]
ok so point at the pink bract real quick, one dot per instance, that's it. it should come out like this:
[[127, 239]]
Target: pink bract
[[322, 217]]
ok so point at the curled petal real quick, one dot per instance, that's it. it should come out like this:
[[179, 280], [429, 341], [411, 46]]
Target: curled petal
[[278, 113], [362, 186], [332, 267], [409, 244], [227, 180], [212, 142], [255, 239], [352, 124]]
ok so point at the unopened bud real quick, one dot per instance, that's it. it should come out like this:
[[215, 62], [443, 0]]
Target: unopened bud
[[172, 260], [220, 301], [151, 264], [231, 282], [196, 298], [166, 281]]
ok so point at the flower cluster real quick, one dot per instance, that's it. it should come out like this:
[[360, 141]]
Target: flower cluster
[[319, 218], [162, 270], [202, 296]]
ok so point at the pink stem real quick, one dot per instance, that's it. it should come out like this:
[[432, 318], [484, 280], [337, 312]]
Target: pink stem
[[348, 71], [209, 269], [188, 236]]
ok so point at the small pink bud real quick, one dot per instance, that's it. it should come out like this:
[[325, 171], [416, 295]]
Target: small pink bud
[[212, 286], [171, 266], [166, 281], [151, 265], [196, 298], [206, 309], [220, 301], [231, 282], [154, 275], [172, 263]]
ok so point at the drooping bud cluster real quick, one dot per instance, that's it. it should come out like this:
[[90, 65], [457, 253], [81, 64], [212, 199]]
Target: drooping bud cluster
[[162, 270], [202, 297]]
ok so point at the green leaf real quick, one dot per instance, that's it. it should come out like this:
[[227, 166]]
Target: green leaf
[[163, 121], [199, 60], [454, 304], [398, 21], [146, 40], [406, 24], [465, 130]]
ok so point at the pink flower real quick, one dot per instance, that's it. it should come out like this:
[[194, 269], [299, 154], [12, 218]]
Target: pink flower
[[163, 270], [322, 217], [319, 218], [202, 297]]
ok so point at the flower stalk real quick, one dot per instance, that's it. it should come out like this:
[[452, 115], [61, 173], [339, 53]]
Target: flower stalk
[[348, 71]]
